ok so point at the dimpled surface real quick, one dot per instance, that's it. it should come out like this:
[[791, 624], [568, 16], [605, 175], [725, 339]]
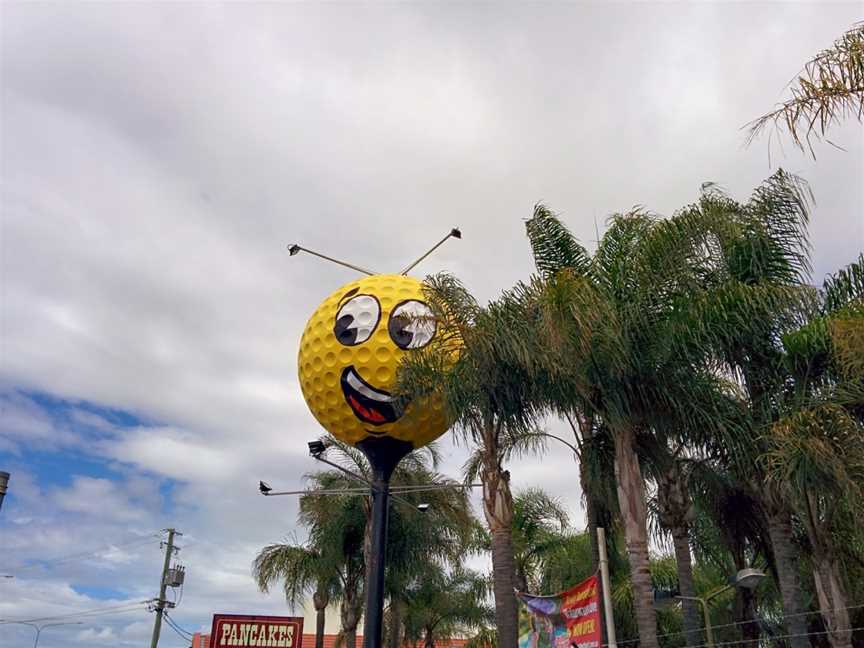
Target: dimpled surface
[[323, 358]]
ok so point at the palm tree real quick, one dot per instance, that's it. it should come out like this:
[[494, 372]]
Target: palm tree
[[330, 564], [415, 538], [755, 291], [418, 541], [485, 396], [830, 87], [485, 637], [676, 513], [539, 528], [605, 328], [301, 569], [337, 526], [815, 452], [729, 533], [441, 603]]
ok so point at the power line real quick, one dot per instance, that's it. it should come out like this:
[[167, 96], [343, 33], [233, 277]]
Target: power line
[[778, 637], [113, 609], [82, 555], [176, 626], [749, 621]]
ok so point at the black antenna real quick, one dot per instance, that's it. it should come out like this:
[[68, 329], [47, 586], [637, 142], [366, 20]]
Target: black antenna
[[294, 249], [455, 233]]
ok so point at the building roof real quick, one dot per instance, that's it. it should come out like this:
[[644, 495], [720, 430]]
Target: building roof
[[203, 641]]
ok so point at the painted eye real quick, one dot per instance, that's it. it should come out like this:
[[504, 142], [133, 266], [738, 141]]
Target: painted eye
[[412, 325], [357, 320]]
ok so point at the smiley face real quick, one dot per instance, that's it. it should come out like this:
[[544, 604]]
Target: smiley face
[[349, 354]]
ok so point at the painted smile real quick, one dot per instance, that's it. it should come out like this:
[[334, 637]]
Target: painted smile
[[370, 405]]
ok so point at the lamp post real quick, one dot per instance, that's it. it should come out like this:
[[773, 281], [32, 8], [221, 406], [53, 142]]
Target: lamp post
[[383, 454], [39, 628], [746, 579], [4, 480]]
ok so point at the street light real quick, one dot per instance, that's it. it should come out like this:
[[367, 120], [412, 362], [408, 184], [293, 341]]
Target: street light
[[4, 480], [318, 448], [748, 578], [39, 628]]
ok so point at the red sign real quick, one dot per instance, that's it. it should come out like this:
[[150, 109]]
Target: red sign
[[241, 631], [579, 607]]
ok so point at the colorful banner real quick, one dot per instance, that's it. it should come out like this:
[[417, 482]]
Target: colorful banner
[[566, 620]]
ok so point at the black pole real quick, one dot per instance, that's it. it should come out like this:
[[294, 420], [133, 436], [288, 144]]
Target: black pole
[[384, 454], [4, 480]]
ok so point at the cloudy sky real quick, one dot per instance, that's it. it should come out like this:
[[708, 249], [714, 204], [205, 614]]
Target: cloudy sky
[[158, 158]]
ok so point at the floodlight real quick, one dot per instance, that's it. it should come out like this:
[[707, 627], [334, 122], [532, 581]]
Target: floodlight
[[749, 578], [316, 448]]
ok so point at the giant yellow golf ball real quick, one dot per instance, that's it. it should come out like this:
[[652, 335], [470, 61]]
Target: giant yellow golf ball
[[349, 354]]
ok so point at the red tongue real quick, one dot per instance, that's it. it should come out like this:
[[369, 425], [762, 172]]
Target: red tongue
[[372, 414]]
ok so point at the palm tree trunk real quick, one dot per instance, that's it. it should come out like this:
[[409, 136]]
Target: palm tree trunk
[[502, 576], [350, 635], [786, 559], [350, 613], [591, 515], [320, 600], [828, 577], [692, 625], [634, 514], [520, 581], [395, 623], [319, 628], [832, 600], [745, 615], [498, 510]]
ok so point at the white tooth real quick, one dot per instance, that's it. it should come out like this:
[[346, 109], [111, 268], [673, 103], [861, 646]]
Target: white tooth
[[356, 383]]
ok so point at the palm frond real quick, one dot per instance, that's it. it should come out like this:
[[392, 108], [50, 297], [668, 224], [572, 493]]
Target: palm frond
[[844, 286], [553, 246], [828, 89]]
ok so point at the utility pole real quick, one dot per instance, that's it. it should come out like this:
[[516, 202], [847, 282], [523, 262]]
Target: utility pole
[[607, 589], [4, 480], [163, 587]]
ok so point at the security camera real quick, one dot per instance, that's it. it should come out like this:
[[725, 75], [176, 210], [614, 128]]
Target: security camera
[[423, 507], [264, 487]]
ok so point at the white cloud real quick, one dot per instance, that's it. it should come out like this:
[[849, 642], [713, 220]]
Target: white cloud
[[103, 635], [160, 157], [23, 421], [97, 497]]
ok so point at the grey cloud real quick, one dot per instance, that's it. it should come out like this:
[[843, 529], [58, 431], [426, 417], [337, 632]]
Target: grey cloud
[[158, 158]]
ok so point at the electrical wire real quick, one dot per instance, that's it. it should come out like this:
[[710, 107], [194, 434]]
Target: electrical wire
[[176, 626], [174, 622], [113, 609], [431, 487], [178, 633], [180, 598], [82, 555], [738, 623], [777, 637]]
